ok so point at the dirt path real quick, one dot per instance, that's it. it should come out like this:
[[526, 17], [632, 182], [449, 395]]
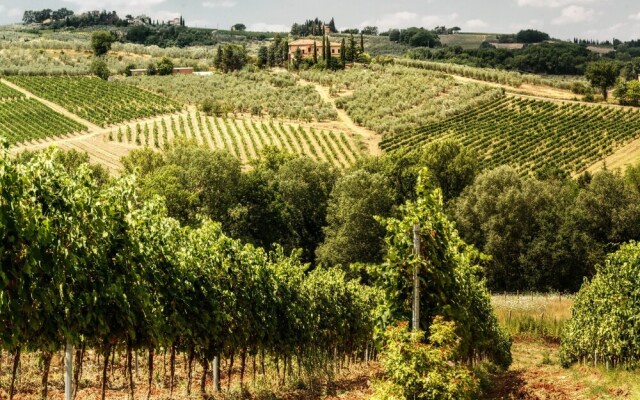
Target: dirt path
[[536, 374], [543, 92], [371, 138]]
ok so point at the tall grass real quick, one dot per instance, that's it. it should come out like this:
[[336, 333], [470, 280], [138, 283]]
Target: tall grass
[[536, 315]]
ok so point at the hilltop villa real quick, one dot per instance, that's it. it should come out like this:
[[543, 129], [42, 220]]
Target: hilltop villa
[[306, 47]]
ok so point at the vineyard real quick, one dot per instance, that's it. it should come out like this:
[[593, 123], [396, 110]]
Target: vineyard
[[7, 93], [103, 103], [277, 95], [96, 268], [394, 99], [243, 138], [531, 135], [25, 120]]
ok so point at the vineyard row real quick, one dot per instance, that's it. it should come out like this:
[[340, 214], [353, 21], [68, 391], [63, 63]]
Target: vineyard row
[[103, 103], [531, 135], [243, 138]]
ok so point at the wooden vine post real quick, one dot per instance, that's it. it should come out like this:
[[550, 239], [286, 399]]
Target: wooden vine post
[[68, 371], [415, 321], [216, 374]]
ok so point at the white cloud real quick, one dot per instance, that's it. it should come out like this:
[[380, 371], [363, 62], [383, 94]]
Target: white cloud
[[552, 3], [123, 7], [11, 12], [476, 23], [431, 21], [635, 16], [397, 20], [219, 4], [574, 14], [405, 19], [264, 27]]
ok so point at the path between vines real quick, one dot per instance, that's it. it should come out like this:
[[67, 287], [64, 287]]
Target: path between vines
[[371, 138]]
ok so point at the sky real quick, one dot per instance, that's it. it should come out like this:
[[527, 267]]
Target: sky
[[562, 19]]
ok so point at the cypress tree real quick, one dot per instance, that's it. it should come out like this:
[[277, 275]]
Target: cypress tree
[[328, 48], [315, 52], [324, 46], [361, 43], [343, 52]]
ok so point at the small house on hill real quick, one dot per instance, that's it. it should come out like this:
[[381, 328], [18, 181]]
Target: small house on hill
[[306, 48]]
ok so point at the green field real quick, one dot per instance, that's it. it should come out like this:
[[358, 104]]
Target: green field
[[7, 93], [103, 103], [531, 135], [27, 119], [466, 40]]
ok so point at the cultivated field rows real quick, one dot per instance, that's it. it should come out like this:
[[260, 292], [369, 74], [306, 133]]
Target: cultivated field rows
[[242, 137]]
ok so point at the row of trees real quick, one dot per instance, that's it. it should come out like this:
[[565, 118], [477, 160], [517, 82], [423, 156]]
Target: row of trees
[[544, 58], [415, 37], [313, 27]]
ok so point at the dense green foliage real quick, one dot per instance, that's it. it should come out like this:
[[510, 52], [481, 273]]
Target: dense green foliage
[[450, 283], [531, 135], [100, 69], [170, 36], [282, 200], [603, 75], [430, 371], [96, 266], [101, 42], [103, 103], [258, 93], [22, 120], [375, 187], [531, 36], [231, 58], [394, 99], [604, 325], [558, 58], [547, 235]]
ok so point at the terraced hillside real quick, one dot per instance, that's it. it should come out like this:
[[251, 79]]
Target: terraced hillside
[[244, 138], [103, 103], [529, 134]]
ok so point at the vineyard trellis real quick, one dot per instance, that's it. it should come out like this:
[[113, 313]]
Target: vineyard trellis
[[97, 268], [243, 138], [529, 134], [23, 120], [103, 103]]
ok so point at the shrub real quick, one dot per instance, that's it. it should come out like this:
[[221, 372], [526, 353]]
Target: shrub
[[99, 68], [416, 370], [165, 66], [604, 327]]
